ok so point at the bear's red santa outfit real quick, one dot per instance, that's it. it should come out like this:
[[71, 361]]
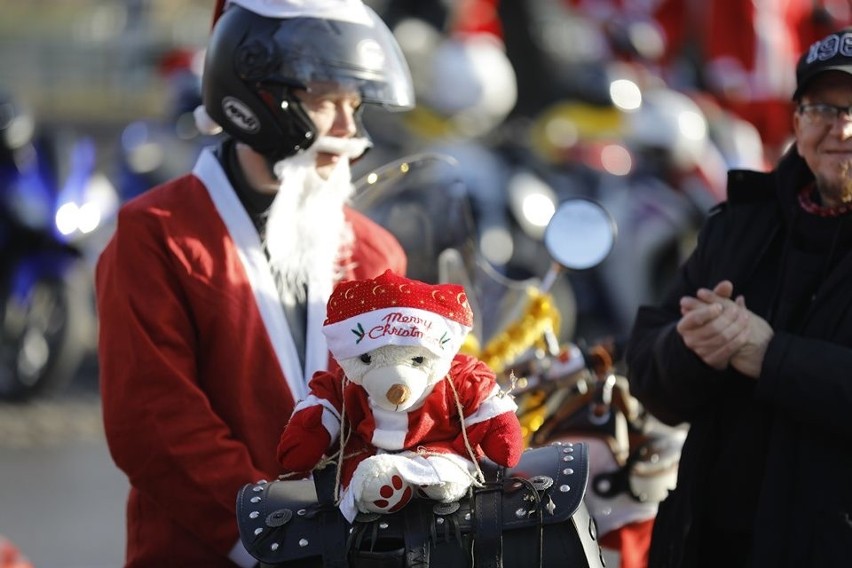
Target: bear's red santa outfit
[[419, 439]]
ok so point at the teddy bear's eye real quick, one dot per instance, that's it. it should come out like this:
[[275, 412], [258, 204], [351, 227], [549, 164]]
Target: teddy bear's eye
[[366, 359], [417, 360]]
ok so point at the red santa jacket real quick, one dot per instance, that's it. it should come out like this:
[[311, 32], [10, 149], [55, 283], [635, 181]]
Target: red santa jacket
[[435, 426], [199, 373], [750, 50]]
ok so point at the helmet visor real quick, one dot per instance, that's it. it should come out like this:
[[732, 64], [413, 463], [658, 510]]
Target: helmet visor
[[362, 55]]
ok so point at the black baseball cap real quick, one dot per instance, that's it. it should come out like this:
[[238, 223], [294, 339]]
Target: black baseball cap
[[831, 53]]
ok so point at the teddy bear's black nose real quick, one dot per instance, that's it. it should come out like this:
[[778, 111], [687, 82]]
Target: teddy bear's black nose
[[398, 394]]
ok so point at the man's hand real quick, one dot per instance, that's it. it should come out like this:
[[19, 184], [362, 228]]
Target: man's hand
[[712, 327], [722, 331]]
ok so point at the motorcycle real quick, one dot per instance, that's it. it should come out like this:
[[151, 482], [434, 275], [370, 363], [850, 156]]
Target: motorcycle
[[55, 211], [566, 390], [606, 124], [579, 111], [425, 201], [570, 392]]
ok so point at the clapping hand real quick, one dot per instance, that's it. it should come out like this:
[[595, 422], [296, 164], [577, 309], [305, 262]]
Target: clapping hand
[[722, 331]]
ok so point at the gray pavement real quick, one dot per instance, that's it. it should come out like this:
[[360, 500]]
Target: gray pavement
[[61, 498]]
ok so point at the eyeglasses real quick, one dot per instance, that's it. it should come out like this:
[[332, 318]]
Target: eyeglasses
[[822, 114]]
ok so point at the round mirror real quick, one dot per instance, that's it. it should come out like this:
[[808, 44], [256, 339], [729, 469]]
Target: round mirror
[[580, 234]]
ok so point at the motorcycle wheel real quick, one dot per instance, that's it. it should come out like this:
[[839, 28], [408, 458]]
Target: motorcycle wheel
[[45, 336]]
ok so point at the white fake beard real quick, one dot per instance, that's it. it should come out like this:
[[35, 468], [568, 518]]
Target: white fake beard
[[306, 231]]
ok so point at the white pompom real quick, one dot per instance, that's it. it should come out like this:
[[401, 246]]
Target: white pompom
[[204, 123]]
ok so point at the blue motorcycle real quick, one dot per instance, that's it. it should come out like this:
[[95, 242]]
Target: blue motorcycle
[[52, 205]]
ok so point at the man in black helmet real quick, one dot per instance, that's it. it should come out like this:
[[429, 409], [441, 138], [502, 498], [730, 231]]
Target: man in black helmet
[[212, 292], [753, 345]]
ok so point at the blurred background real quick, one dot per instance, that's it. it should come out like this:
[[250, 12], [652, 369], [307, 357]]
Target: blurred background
[[73, 76], [641, 105], [96, 62]]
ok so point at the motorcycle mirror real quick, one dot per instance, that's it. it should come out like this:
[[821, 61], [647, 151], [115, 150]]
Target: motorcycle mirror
[[580, 235]]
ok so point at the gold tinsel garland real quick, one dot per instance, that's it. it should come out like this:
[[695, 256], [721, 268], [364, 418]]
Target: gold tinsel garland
[[541, 316], [528, 331]]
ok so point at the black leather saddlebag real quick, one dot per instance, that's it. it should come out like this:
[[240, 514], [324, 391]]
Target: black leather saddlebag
[[527, 516]]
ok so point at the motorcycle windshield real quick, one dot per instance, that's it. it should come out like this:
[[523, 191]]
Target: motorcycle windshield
[[423, 201]]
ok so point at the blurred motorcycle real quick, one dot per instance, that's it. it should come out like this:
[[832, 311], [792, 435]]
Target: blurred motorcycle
[[576, 122], [425, 201], [565, 390], [55, 210], [571, 392]]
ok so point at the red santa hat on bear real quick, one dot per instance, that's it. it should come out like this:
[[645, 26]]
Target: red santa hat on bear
[[392, 310]]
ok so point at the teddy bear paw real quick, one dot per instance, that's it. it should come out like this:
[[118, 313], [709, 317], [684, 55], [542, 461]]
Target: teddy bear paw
[[446, 492], [386, 495]]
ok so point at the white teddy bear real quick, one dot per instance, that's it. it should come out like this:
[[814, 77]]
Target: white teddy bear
[[414, 412]]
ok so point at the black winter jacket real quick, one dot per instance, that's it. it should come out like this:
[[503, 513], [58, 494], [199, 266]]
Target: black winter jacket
[[768, 459]]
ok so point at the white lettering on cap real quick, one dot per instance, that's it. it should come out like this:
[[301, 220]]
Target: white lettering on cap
[[846, 45], [829, 47]]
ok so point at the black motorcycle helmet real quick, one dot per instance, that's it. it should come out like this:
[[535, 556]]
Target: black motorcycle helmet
[[254, 62]]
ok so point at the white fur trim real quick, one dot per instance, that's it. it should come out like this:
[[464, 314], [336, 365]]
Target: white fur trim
[[313, 400], [331, 424], [316, 349], [391, 428], [204, 122], [330, 416], [394, 326], [347, 505], [493, 406], [344, 10], [247, 242]]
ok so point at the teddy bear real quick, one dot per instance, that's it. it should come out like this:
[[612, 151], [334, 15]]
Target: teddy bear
[[413, 414]]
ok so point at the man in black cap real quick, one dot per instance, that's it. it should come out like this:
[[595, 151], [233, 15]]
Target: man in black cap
[[752, 347]]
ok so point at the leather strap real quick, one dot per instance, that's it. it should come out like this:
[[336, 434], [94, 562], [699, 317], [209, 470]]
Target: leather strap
[[418, 522], [324, 482], [488, 523], [332, 523]]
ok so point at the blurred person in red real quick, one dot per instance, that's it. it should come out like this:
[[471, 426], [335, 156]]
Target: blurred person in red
[[11, 556], [744, 53], [212, 292]]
